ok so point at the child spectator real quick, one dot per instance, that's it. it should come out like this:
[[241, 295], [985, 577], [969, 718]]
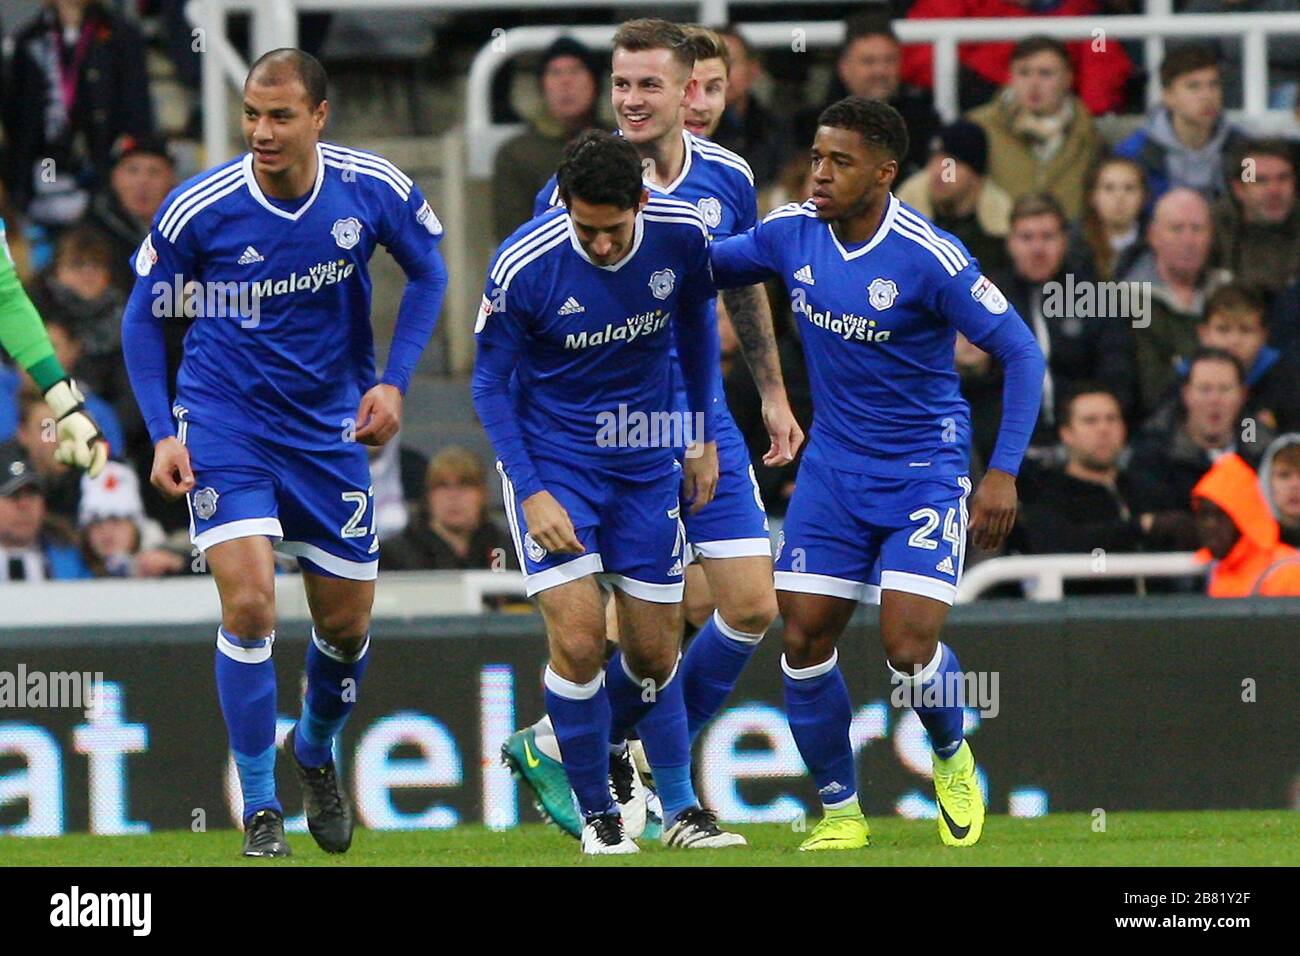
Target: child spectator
[[117, 540], [1236, 321], [78, 289], [1107, 239], [1185, 138], [1279, 478]]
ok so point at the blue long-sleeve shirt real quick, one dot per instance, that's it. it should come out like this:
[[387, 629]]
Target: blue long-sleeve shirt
[[574, 358], [282, 345], [878, 322]]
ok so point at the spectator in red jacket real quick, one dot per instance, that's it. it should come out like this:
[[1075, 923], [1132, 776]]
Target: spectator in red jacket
[[1101, 67]]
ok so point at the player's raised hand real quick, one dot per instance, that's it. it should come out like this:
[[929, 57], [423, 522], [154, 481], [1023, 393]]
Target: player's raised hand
[[549, 524], [379, 415], [784, 431], [700, 474], [993, 510], [171, 473]]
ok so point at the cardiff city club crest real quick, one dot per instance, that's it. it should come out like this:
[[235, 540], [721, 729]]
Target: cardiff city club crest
[[346, 232], [710, 211], [205, 502], [661, 283], [882, 293], [535, 551]]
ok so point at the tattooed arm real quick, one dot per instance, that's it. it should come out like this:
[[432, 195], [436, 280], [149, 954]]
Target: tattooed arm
[[751, 317]]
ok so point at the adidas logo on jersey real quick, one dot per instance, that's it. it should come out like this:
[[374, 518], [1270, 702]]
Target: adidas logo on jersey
[[572, 307], [250, 256], [805, 276], [945, 566], [676, 569]]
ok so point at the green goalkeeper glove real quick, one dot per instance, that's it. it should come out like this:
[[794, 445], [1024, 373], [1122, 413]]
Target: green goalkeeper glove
[[81, 443]]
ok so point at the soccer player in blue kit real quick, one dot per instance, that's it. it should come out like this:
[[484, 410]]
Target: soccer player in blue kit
[[879, 511], [276, 399], [664, 75], [577, 321]]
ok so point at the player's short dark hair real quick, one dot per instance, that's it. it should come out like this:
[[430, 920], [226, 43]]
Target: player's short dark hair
[[602, 169], [1032, 45], [1187, 58], [878, 123], [1038, 204], [649, 33], [277, 65], [708, 45], [1235, 298], [1206, 353], [1076, 391]]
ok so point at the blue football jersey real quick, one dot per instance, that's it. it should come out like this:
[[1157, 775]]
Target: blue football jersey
[[720, 185], [718, 182], [878, 322], [588, 347], [282, 345]]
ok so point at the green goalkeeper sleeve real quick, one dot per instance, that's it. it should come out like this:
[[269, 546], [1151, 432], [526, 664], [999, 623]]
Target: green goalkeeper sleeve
[[22, 334]]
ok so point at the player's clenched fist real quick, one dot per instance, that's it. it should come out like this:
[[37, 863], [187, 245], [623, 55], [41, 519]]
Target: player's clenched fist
[[700, 474], [379, 416], [81, 443], [171, 473], [549, 524]]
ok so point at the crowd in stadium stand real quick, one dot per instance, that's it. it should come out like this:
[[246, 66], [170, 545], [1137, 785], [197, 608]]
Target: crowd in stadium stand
[[1170, 424]]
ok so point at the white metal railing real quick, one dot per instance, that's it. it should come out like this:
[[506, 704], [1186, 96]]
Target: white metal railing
[[399, 595], [402, 595], [1045, 574], [275, 24], [484, 137]]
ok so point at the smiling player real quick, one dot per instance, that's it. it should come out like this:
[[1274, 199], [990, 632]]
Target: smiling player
[[577, 320], [668, 88]]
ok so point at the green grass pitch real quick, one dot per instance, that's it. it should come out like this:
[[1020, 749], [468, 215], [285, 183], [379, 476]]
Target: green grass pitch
[[1220, 838]]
